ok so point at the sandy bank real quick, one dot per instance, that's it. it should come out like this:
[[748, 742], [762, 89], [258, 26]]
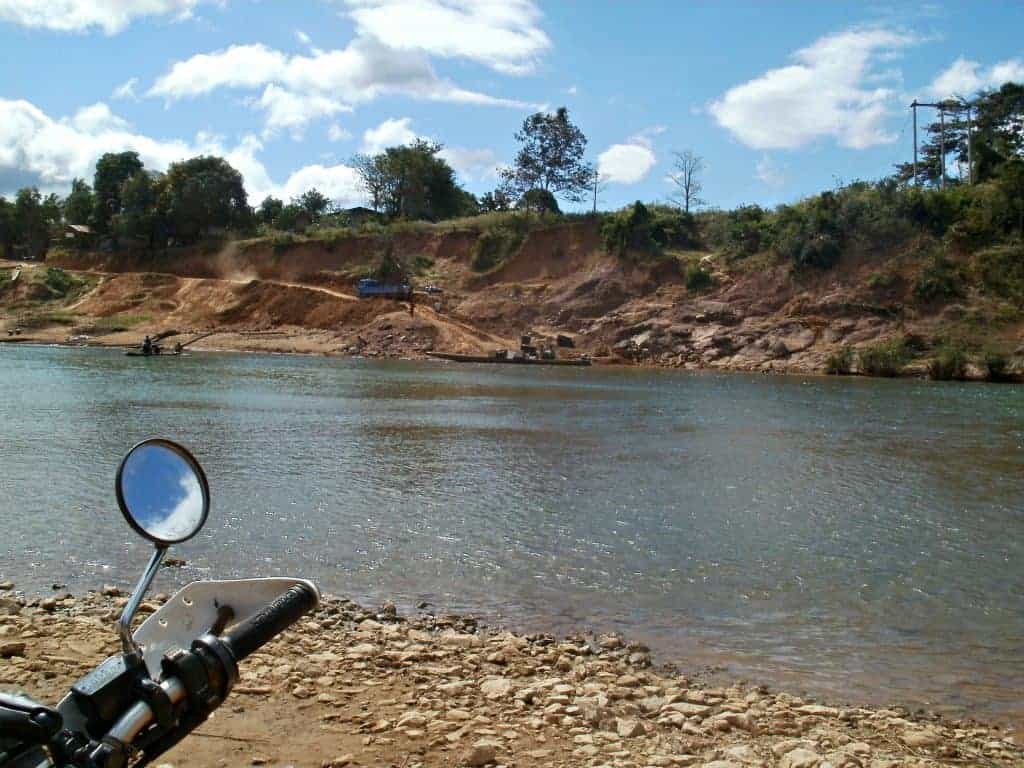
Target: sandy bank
[[352, 686]]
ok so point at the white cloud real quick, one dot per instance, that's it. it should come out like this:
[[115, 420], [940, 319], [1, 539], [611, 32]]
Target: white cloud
[[317, 85], [472, 164], [36, 149], [111, 16], [126, 90], [336, 133], [626, 163], [572, 90], [825, 93], [302, 37], [290, 111], [768, 171], [501, 34], [393, 132], [965, 77]]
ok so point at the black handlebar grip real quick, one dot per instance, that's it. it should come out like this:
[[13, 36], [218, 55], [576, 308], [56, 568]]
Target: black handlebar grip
[[256, 631]]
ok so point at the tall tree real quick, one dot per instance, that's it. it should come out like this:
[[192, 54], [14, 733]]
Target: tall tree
[[313, 202], [112, 171], [412, 182], [79, 205], [550, 158], [201, 193], [8, 230], [33, 218], [269, 211], [687, 170], [140, 217]]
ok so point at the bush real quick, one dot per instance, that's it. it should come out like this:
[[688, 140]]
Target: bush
[[60, 282], [539, 201], [697, 278], [950, 363], [282, 241], [886, 358], [840, 363], [648, 229], [494, 246], [996, 365], [940, 280], [1000, 270], [391, 268], [738, 233]]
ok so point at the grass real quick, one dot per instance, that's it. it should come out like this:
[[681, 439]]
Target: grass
[[840, 363], [698, 279], [118, 323], [887, 358], [949, 363]]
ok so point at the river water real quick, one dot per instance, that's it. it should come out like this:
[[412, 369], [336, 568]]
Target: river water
[[860, 540]]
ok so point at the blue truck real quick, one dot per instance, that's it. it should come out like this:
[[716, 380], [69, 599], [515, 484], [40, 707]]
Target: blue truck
[[369, 288]]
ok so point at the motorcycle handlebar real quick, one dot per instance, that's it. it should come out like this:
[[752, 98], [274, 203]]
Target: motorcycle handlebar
[[255, 632]]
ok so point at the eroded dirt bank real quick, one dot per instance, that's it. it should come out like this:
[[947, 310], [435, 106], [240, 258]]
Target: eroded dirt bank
[[352, 686], [298, 297]]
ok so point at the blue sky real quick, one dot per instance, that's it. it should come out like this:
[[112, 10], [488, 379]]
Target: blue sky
[[780, 99]]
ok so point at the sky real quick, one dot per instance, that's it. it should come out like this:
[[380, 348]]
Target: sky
[[780, 99]]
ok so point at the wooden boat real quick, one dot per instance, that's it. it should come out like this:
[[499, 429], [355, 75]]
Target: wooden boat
[[136, 353], [457, 358]]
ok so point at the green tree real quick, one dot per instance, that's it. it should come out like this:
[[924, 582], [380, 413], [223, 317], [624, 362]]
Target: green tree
[[33, 218], [79, 205], [112, 171], [289, 216], [269, 211], [412, 182], [8, 232], [140, 217], [1011, 181], [313, 202], [550, 158], [539, 200], [495, 201], [202, 193]]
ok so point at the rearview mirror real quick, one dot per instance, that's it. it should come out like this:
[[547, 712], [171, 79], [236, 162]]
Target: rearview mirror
[[162, 492]]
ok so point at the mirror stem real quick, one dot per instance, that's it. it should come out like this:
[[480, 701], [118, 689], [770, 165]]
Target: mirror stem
[[130, 647]]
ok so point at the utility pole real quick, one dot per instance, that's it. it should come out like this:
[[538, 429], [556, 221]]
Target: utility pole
[[914, 108]]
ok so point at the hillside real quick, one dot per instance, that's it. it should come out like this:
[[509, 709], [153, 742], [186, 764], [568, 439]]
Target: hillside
[[910, 297]]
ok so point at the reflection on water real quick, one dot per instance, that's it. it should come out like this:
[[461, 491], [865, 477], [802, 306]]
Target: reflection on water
[[861, 539]]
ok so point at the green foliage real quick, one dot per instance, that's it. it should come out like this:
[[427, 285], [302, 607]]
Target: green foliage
[[282, 241], [79, 205], [738, 233], [413, 182], [314, 203], [33, 216], [550, 157], [996, 365], [60, 282], [203, 193], [539, 201], [269, 211], [840, 363], [886, 358], [496, 244], [140, 217], [697, 278], [391, 268], [648, 229], [1000, 270], [940, 280], [8, 229], [950, 362], [112, 171]]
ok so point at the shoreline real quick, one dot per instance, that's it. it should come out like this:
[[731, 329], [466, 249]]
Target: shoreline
[[375, 687], [912, 374]]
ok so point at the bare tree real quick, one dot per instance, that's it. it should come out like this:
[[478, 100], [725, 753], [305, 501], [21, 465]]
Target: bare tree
[[688, 168]]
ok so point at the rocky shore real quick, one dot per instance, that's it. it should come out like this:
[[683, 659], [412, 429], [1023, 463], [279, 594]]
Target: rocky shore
[[350, 686]]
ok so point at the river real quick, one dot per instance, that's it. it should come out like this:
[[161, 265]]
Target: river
[[862, 540]]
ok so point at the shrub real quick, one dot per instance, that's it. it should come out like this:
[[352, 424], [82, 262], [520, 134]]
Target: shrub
[[949, 363], [886, 358], [391, 268], [60, 282], [840, 363], [697, 278], [996, 365], [940, 280], [282, 241], [494, 246], [1000, 270], [540, 201], [648, 229]]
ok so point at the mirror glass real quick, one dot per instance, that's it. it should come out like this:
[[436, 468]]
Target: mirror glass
[[163, 492]]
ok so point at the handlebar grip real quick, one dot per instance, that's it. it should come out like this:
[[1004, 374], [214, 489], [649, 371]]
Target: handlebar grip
[[256, 631]]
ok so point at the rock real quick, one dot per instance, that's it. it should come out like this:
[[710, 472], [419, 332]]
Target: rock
[[496, 687], [389, 609], [169, 562], [6, 586], [49, 604], [9, 606], [460, 640], [686, 709], [818, 711], [800, 758], [722, 764], [628, 728], [340, 762], [788, 745], [610, 642], [109, 590], [481, 753], [363, 650], [412, 719], [8, 650], [925, 737]]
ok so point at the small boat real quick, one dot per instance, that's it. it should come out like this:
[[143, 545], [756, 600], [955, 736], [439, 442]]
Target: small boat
[[136, 353], [507, 359]]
